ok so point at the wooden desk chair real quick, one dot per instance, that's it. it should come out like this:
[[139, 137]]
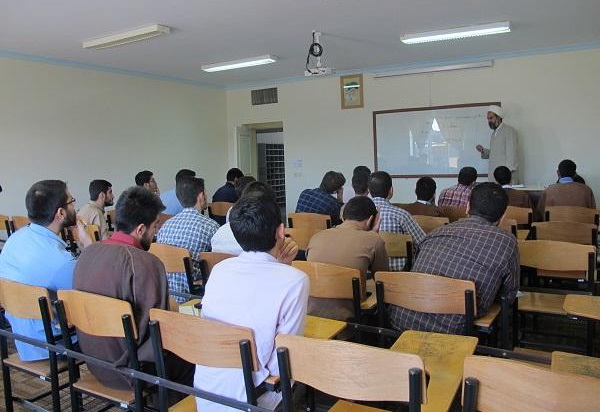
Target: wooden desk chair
[[218, 210], [426, 293], [208, 260], [349, 371], [576, 364], [573, 232], [309, 221], [510, 225], [523, 216], [587, 308], [202, 342], [29, 302], [571, 214], [17, 222], [111, 219], [73, 235], [429, 223], [493, 385], [111, 318], [5, 224], [337, 282], [301, 236], [455, 213], [399, 245], [177, 260]]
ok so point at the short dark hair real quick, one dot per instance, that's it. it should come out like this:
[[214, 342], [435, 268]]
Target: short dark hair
[[43, 199], [234, 173], [254, 221], [380, 184], [184, 173], [467, 175], [578, 179], [98, 186], [360, 183], [359, 208], [489, 201], [258, 189], [242, 183], [332, 181], [187, 190], [361, 170], [425, 188], [136, 206], [503, 175], [143, 177], [567, 168]]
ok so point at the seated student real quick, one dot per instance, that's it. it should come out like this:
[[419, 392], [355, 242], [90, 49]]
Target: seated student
[[169, 198], [146, 179], [121, 267], [393, 219], [227, 193], [473, 249], [425, 204], [320, 199], [188, 229], [516, 198], [354, 244], [360, 182], [36, 255], [101, 195], [566, 192], [258, 290], [458, 196]]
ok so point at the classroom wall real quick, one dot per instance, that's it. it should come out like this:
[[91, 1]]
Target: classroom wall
[[551, 99], [78, 125]]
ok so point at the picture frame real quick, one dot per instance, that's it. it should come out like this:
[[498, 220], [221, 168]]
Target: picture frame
[[351, 91]]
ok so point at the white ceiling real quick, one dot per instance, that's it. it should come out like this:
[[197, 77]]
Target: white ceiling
[[358, 36]]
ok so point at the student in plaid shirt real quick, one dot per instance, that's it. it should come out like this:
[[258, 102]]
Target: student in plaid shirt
[[474, 249], [393, 219], [188, 229], [320, 200], [458, 196]]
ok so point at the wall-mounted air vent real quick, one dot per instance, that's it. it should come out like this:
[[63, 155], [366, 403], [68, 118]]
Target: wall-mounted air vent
[[264, 96]]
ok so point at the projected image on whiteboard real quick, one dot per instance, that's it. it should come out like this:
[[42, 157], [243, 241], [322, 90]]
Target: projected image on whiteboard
[[433, 141]]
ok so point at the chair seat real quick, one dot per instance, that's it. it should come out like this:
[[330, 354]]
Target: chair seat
[[88, 383], [188, 404], [345, 406], [542, 303], [39, 368], [489, 318], [369, 303]]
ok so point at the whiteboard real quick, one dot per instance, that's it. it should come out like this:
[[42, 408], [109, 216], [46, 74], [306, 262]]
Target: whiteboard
[[431, 141]]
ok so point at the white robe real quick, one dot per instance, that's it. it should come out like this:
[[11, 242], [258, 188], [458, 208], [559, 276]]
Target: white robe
[[503, 151]]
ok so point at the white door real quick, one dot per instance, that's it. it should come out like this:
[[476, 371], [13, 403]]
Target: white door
[[247, 153]]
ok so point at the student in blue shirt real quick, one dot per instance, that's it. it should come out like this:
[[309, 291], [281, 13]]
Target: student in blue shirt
[[36, 255]]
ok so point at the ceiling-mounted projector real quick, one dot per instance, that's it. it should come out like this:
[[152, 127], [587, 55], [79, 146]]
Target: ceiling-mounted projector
[[316, 51]]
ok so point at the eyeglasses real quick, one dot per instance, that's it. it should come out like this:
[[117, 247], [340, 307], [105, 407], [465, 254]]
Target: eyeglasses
[[70, 201]]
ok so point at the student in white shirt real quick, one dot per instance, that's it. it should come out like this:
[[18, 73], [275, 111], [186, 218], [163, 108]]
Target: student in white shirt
[[259, 290]]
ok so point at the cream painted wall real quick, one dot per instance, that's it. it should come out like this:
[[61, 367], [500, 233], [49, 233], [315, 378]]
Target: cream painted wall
[[552, 100], [77, 125]]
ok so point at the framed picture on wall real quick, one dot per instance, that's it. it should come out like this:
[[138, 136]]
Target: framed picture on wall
[[351, 90]]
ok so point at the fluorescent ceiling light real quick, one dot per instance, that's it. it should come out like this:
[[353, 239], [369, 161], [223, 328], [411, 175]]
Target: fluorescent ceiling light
[[434, 69], [236, 64], [125, 37], [457, 33]]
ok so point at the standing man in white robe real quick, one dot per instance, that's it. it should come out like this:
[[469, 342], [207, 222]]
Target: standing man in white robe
[[503, 145]]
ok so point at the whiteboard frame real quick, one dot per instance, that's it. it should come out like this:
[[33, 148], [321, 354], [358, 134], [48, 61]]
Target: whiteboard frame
[[420, 109]]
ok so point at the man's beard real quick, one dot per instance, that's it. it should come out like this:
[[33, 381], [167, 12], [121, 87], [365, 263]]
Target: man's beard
[[70, 220], [492, 125], [146, 241]]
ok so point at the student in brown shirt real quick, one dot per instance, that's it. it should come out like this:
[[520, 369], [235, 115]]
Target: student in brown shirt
[[355, 244], [566, 192], [425, 204], [516, 198]]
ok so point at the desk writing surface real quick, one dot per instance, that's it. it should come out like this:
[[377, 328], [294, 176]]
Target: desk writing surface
[[583, 305], [577, 364], [322, 328], [443, 357]]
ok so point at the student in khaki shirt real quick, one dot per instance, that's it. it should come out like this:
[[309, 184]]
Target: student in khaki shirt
[[354, 244], [92, 213]]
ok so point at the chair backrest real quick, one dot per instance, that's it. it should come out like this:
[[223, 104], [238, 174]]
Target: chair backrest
[[422, 292], [558, 259], [96, 315], [571, 214], [510, 225], [331, 281], [309, 221], [19, 221], [429, 223], [171, 256], [219, 208], [162, 218], [397, 244], [111, 219], [350, 370], [203, 341], [209, 260], [301, 236], [573, 232], [22, 300], [493, 385], [5, 224], [92, 230], [455, 213], [523, 215]]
